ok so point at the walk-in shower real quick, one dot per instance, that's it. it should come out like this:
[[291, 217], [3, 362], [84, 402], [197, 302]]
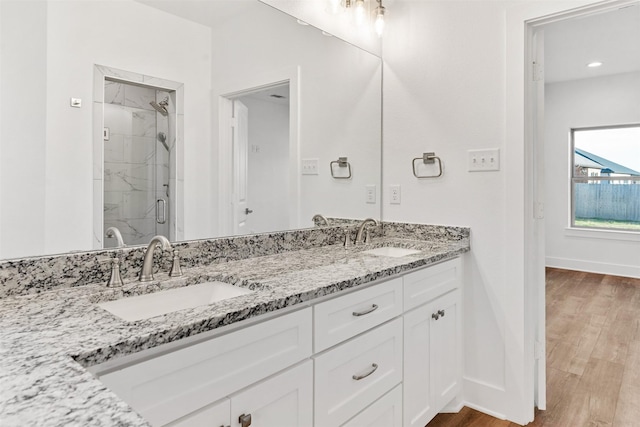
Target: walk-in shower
[[139, 147]]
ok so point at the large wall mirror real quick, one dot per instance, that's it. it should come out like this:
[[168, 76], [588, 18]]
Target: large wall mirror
[[192, 119]]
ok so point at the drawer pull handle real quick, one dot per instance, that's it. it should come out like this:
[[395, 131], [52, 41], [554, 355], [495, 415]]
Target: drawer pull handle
[[435, 316], [441, 313], [245, 420], [374, 307], [374, 367]]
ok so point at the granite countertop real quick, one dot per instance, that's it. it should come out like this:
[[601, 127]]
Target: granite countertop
[[48, 339]]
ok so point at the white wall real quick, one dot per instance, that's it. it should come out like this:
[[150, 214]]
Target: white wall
[[23, 136], [599, 101], [454, 81], [268, 165], [76, 35], [339, 103]]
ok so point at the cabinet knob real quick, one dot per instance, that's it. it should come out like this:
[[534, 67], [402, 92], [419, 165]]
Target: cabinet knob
[[245, 420], [435, 316], [441, 313]]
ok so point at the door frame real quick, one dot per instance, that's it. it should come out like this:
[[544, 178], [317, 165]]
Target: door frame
[[243, 85], [101, 74], [525, 171]]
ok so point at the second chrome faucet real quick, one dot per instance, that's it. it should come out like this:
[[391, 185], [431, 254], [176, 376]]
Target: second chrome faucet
[[146, 274]]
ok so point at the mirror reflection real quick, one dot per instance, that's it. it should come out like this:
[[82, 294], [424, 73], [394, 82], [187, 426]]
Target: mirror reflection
[[257, 107]]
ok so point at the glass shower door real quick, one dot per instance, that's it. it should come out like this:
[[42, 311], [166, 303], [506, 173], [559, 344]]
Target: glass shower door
[[137, 152]]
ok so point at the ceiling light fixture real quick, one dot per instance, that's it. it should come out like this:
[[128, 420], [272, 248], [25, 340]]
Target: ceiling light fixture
[[362, 12], [378, 25], [359, 12], [594, 64]]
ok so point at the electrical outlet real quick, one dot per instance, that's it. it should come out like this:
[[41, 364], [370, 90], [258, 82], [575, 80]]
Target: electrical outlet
[[484, 160], [394, 193], [370, 193], [310, 166]]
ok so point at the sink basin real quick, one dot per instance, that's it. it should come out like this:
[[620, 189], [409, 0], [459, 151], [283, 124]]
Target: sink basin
[[391, 252], [163, 302]]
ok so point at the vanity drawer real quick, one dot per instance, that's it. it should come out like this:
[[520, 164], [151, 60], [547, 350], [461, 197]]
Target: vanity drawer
[[172, 385], [353, 375], [385, 412], [429, 283], [344, 317]]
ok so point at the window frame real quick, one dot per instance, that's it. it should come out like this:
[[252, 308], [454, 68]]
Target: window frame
[[573, 179]]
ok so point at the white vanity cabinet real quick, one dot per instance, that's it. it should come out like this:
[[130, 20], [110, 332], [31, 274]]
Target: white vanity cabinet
[[215, 415], [432, 341], [285, 399], [165, 388], [387, 355]]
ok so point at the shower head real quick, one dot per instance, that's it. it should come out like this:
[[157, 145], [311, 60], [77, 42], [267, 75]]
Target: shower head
[[161, 107]]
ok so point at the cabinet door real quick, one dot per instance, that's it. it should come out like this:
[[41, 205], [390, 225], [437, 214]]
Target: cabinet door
[[280, 401], [432, 358], [418, 405], [215, 415], [170, 386], [445, 348]]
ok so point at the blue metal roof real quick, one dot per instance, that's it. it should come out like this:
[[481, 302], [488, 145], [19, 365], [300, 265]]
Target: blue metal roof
[[607, 164]]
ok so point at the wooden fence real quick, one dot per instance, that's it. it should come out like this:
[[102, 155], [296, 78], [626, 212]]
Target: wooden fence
[[619, 202]]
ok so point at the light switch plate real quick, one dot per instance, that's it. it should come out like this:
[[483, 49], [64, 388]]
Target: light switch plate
[[370, 194], [484, 160], [310, 166]]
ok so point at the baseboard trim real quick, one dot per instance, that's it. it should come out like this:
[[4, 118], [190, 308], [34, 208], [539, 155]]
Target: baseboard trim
[[594, 267], [485, 410], [481, 396]]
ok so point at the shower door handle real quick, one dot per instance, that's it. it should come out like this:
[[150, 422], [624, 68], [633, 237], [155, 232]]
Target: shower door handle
[[161, 211]]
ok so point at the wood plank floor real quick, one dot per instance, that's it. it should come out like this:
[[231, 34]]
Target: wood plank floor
[[593, 355]]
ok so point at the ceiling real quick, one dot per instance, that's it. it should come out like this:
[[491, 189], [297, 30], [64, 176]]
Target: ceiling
[[612, 38], [209, 13]]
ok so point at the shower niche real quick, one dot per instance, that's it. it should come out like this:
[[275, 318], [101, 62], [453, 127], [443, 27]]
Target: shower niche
[[140, 137]]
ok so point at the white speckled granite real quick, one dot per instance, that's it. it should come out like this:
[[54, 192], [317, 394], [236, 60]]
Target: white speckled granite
[[47, 338]]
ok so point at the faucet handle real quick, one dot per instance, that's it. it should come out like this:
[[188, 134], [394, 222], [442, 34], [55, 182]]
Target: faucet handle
[[176, 271], [115, 280], [367, 237]]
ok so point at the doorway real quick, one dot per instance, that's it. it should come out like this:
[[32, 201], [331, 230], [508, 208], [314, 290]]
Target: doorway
[[558, 70], [261, 160], [259, 174], [138, 151]]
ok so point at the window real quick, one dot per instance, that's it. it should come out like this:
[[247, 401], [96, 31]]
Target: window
[[605, 178]]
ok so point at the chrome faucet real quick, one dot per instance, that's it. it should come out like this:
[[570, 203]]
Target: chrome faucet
[[146, 274], [361, 229], [114, 232], [320, 218]]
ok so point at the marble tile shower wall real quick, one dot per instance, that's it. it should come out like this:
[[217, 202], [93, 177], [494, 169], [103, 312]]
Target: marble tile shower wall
[[132, 180], [40, 274]]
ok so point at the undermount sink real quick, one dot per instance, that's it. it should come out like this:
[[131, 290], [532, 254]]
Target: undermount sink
[[163, 302], [391, 252]]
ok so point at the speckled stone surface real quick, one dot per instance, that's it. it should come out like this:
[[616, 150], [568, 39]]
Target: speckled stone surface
[[47, 338]]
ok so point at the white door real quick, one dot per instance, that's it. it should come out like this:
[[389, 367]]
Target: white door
[[283, 400], [240, 167]]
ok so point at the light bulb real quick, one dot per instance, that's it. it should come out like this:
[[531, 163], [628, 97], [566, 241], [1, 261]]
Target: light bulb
[[359, 12], [334, 6], [379, 23]]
